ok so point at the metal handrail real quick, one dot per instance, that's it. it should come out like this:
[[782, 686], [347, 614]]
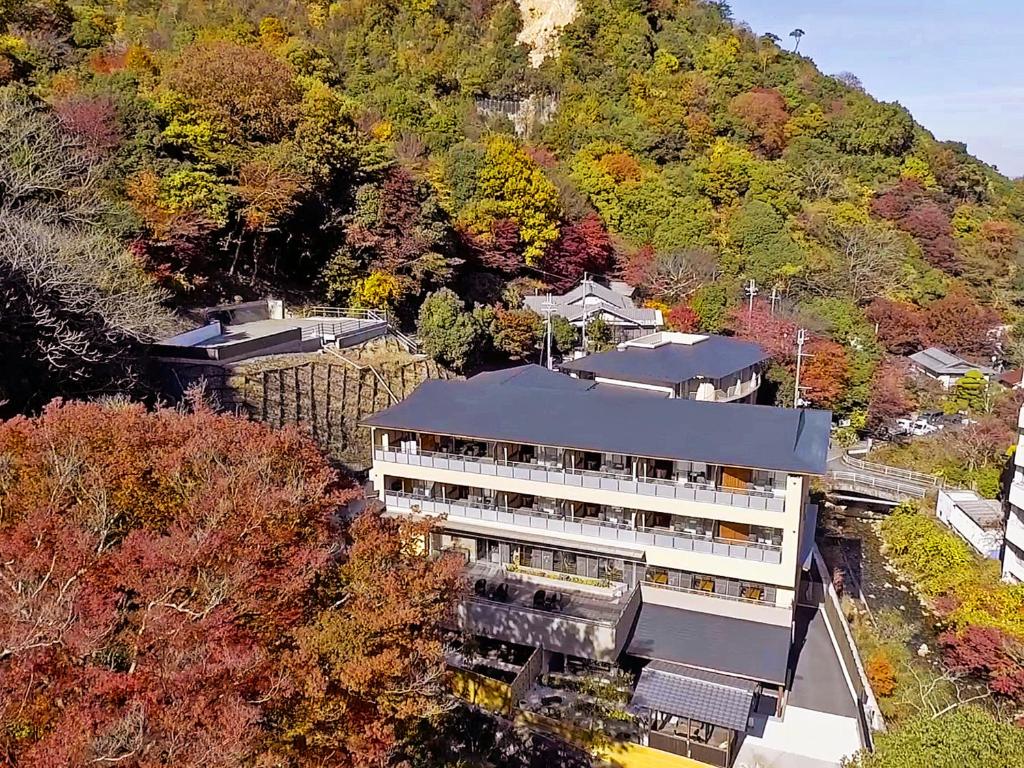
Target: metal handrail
[[705, 593], [921, 478], [351, 312], [871, 481], [591, 473], [534, 512]]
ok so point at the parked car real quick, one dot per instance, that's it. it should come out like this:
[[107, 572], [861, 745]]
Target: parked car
[[916, 427]]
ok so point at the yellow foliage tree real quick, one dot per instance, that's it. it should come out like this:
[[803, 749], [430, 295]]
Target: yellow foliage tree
[[379, 290], [520, 191]]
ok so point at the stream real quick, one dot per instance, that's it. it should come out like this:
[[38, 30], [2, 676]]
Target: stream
[[851, 542]]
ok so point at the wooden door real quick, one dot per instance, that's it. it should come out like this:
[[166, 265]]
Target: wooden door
[[735, 477], [736, 531]]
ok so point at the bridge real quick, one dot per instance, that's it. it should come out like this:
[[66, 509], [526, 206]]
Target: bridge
[[853, 479]]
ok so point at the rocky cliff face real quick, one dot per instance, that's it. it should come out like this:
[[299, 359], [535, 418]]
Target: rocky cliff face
[[542, 22]]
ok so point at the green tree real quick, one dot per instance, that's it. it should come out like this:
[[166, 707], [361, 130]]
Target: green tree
[[966, 736], [972, 393], [564, 335], [448, 333], [599, 335]]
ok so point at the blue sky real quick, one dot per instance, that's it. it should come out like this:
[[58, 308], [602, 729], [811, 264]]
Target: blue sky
[[957, 65]]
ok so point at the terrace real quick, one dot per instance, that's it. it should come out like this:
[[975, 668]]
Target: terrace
[[680, 480], [557, 614], [610, 524]]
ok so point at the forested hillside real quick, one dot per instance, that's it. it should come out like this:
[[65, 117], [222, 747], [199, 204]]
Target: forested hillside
[[352, 152]]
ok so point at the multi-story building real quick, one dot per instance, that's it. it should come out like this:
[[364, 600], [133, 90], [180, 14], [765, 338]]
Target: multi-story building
[[683, 365], [1013, 544], [606, 524]]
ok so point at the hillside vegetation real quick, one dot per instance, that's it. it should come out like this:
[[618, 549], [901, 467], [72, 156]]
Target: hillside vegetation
[[336, 150]]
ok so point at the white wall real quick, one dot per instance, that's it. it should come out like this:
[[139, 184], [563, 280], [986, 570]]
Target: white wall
[[196, 335], [986, 542]]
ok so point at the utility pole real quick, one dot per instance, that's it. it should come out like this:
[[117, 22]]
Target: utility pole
[[751, 291], [801, 338], [775, 297], [584, 313], [549, 307]]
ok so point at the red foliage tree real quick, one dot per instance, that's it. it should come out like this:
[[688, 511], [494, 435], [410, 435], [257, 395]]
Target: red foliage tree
[[763, 113], [901, 326], [582, 246], [637, 265], [499, 248], [911, 208], [775, 332], [958, 323], [164, 576], [683, 318], [93, 119], [151, 573], [889, 398], [988, 653]]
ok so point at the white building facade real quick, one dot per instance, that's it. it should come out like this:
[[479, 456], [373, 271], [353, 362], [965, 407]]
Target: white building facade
[[1013, 544]]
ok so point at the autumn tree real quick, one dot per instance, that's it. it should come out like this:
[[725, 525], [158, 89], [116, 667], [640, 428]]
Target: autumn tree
[[517, 332], [372, 664], [958, 323], [511, 185], [177, 591], [152, 579], [915, 211], [683, 318], [243, 90], [762, 113], [582, 247], [901, 326], [987, 653], [397, 228], [889, 398], [825, 373]]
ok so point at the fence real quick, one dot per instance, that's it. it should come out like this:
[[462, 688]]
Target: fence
[[870, 715], [916, 478]]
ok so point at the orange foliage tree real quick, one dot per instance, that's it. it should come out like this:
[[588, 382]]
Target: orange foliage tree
[[163, 575]]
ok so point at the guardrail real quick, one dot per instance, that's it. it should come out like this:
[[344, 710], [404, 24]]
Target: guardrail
[[859, 481], [584, 478], [603, 529], [356, 313], [917, 478]]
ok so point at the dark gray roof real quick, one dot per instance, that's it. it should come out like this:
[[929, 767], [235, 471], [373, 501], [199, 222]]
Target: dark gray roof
[[698, 694], [669, 364], [709, 641], [540, 407], [940, 362], [818, 680]]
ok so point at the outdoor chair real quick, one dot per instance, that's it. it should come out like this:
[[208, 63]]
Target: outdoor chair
[[539, 599], [501, 593], [480, 587]]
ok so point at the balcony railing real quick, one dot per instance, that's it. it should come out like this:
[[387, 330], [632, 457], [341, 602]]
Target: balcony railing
[[680, 490], [592, 527]]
